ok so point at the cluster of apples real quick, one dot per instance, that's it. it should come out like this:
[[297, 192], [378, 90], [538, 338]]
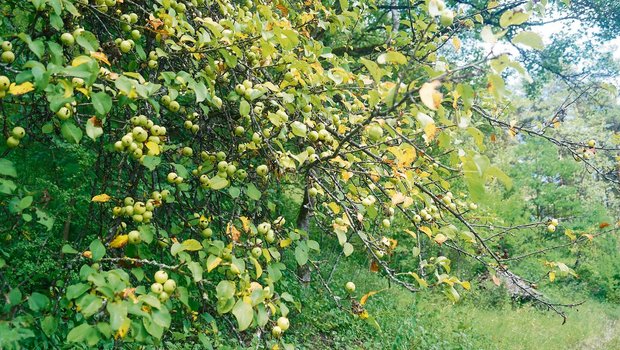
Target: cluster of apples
[[137, 143], [7, 53], [188, 124], [282, 324], [17, 134], [163, 286], [138, 211], [5, 83], [553, 225]]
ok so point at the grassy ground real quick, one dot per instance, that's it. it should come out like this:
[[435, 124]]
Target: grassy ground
[[482, 320]]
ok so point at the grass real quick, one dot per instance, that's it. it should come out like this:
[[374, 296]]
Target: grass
[[484, 319]]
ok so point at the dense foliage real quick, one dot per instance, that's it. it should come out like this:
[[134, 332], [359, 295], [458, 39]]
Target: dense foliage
[[154, 151]]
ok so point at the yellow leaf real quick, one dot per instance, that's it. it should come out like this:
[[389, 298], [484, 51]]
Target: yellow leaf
[[427, 230], [87, 254], [466, 285], [215, 263], [100, 56], [123, 329], [430, 130], [21, 88], [191, 245], [334, 207], [153, 148], [246, 223], [119, 242], [285, 243], [364, 299], [346, 175], [440, 238], [232, 231], [411, 233], [101, 198], [398, 198], [551, 276], [257, 267], [80, 60], [456, 42], [430, 96]]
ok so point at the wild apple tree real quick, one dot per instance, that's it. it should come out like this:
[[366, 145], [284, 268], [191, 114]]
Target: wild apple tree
[[197, 114]]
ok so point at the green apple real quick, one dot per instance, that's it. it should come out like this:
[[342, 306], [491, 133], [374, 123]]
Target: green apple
[[125, 46], [257, 252], [157, 288], [7, 46], [18, 132], [134, 237], [375, 132], [551, 228], [187, 151], [12, 142], [161, 276], [276, 332], [174, 106], [163, 296], [386, 223], [169, 286], [350, 287], [63, 113], [283, 323], [263, 228], [67, 39], [4, 83], [7, 57], [262, 170]]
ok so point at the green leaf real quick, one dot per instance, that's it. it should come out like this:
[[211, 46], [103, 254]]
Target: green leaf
[[25, 202], [98, 250], [162, 317], [244, 108], [392, 57], [93, 131], [200, 89], [530, 39], [253, 192], [79, 333], [76, 290], [45, 219], [347, 248], [71, 132], [217, 183], [243, 313], [196, 270], [118, 313], [38, 301], [146, 233], [150, 162], [513, 18], [37, 47], [67, 249], [88, 41], [89, 304], [225, 290], [49, 325], [7, 168], [15, 296], [301, 254], [102, 103]]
